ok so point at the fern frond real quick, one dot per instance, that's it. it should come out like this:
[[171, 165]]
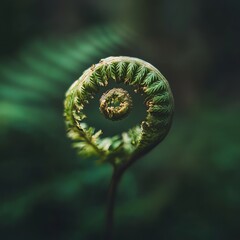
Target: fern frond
[[156, 87], [131, 71], [40, 73], [151, 77], [122, 70], [111, 71], [163, 98], [116, 104], [140, 75]]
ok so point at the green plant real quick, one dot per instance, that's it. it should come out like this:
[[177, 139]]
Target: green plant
[[120, 150]]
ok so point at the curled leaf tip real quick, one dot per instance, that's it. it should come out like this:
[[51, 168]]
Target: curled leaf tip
[[116, 104]]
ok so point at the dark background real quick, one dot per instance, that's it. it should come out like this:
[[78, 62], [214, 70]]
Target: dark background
[[186, 188]]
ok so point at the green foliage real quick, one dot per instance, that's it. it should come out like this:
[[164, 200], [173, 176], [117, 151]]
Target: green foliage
[[131, 71], [39, 76], [31, 123], [187, 188]]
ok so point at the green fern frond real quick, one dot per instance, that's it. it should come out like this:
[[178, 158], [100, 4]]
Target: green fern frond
[[151, 77], [111, 71], [116, 103], [131, 71], [122, 70], [40, 73], [140, 75], [156, 87], [99, 78], [163, 98]]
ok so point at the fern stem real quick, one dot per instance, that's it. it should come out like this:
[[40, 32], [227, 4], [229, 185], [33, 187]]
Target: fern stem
[[116, 176]]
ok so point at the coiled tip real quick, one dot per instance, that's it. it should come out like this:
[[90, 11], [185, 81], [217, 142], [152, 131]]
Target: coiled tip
[[115, 104]]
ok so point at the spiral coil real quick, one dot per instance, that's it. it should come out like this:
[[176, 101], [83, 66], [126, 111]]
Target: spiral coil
[[115, 105]]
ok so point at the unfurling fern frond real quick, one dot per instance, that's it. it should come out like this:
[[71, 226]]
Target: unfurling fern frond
[[121, 150], [116, 104]]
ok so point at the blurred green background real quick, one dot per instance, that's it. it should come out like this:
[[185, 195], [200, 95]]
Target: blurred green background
[[186, 188]]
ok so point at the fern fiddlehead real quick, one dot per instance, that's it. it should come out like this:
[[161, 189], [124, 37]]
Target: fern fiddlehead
[[120, 150], [115, 105]]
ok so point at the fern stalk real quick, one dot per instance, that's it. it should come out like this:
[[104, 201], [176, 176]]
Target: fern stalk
[[111, 202]]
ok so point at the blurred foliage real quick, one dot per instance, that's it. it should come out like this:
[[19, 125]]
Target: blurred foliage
[[42, 72], [31, 108], [186, 188]]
